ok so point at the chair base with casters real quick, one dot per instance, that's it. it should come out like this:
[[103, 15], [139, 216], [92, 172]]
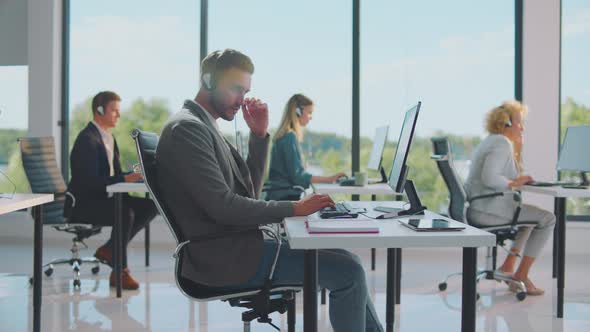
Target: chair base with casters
[[82, 232]]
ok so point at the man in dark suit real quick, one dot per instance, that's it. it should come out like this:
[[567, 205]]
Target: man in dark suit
[[212, 192], [95, 164]]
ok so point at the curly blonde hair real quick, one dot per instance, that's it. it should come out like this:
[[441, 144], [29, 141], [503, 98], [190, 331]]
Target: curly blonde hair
[[498, 118]]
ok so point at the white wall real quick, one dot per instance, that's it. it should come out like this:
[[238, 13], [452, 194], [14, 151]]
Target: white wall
[[44, 59], [541, 52], [13, 32]]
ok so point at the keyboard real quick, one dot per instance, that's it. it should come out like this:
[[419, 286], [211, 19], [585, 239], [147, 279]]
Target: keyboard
[[340, 210], [551, 184]]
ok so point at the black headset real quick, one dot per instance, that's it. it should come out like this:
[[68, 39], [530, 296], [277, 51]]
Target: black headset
[[210, 78]]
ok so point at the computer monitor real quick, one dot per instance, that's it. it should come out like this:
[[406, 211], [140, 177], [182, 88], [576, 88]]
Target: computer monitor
[[397, 176], [376, 155], [399, 169], [573, 155]]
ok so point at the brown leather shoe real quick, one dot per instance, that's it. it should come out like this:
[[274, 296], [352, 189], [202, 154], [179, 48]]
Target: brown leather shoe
[[127, 282], [104, 255]]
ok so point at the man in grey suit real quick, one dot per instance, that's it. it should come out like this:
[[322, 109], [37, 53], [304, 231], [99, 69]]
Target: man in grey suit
[[212, 191]]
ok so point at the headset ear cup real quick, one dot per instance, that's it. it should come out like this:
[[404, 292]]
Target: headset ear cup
[[508, 124], [298, 111], [100, 110], [207, 81]]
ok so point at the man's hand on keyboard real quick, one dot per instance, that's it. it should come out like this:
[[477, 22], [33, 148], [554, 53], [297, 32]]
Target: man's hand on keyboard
[[311, 203]]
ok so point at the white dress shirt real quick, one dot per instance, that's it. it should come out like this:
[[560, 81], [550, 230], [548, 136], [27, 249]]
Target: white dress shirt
[[109, 143]]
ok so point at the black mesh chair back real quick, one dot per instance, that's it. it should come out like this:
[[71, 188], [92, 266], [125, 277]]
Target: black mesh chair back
[[457, 195], [43, 174]]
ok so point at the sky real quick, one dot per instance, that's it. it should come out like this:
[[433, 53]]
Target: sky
[[457, 57]]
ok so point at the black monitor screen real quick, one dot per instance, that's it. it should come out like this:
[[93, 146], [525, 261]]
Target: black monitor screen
[[396, 178]]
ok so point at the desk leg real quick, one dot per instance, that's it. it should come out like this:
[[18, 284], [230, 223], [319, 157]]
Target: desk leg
[[37, 266], [555, 236], [469, 290], [147, 239], [147, 244], [310, 291], [560, 214], [390, 292], [118, 245], [398, 275], [373, 251]]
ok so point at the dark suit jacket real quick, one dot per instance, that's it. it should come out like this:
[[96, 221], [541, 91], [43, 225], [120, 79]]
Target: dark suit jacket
[[211, 190], [90, 168]]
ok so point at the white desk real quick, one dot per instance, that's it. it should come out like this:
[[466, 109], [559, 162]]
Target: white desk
[[560, 194], [118, 189], [370, 189], [23, 201], [391, 235]]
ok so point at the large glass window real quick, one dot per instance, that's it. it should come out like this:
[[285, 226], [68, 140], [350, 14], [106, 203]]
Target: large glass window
[[575, 87], [297, 47], [456, 57], [14, 117], [146, 51]]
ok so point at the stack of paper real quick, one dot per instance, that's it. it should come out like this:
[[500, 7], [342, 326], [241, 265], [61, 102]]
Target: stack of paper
[[334, 226]]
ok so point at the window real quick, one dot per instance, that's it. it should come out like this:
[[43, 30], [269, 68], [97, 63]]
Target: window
[[13, 124], [456, 57], [294, 50], [575, 88], [145, 51]]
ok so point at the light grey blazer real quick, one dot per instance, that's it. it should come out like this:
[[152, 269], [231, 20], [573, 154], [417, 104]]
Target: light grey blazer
[[492, 168], [212, 191]]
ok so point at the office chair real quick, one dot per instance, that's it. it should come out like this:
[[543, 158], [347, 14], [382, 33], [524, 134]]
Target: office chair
[[458, 204], [44, 176], [261, 302], [268, 188]]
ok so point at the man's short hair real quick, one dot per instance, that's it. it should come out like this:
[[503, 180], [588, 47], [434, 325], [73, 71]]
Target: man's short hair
[[218, 62], [102, 99]]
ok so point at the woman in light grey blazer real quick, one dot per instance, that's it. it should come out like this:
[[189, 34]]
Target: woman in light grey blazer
[[497, 166]]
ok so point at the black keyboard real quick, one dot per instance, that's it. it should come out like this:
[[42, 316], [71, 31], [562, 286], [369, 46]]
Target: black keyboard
[[551, 184], [340, 210]]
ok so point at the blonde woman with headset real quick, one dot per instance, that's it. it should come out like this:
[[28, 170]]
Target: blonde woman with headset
[[497, 166], [286, 162]]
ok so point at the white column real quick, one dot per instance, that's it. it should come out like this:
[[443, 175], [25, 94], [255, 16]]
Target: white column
[[541, 74], [44, 58]]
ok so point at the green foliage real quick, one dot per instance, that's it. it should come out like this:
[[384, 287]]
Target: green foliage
[[8, 143], [574, 114]]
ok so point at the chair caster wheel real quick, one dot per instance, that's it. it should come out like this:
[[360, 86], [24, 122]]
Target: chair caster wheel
[[31, 281], [49, 272], [76, 283], [521, 296], [442, 286], [95, 269], [477, 297]]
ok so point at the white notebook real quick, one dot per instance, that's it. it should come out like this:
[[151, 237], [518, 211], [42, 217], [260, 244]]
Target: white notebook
[[334, 226]]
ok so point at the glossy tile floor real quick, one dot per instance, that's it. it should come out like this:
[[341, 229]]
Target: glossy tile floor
[[159, 306]]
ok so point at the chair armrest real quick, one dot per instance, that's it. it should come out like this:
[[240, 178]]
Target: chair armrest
[[516, 195], [268, 230]]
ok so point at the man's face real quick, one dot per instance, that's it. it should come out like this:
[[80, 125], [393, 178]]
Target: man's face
[[111, 114], [228, 96]]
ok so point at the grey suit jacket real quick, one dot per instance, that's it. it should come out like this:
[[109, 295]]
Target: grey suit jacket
[[492, 168], [211, 190]]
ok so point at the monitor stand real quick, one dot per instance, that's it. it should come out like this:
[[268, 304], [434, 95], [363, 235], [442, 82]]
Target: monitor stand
[[416, 207]]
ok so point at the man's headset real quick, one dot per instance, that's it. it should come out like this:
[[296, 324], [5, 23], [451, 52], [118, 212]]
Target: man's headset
[[210, 77], [100, 110]]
